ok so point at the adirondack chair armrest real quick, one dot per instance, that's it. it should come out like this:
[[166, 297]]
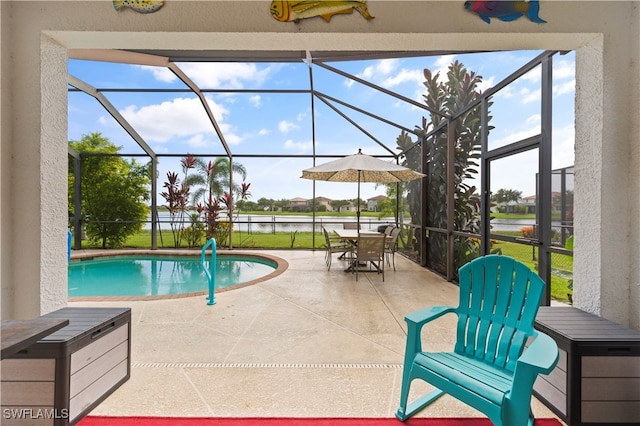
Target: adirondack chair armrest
[[542, 354], [415, 321], [540, 357], [423, 316]]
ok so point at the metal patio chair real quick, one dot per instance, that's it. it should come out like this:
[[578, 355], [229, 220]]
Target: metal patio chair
[[370, 251], [333, 246]]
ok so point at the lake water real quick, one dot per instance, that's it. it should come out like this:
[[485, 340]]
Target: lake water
[[283, 223]]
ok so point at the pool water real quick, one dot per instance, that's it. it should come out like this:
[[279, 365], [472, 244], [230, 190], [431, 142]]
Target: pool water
[[159, 275]]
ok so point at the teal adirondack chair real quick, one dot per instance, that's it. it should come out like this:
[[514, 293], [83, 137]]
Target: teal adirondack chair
[[491, 367]]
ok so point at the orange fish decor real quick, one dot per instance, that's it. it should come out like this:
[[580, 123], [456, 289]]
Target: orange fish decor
[[505, 10], [142, 6], [287, 11]]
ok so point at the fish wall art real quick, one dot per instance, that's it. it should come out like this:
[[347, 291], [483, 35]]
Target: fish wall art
[[142, 6], [505, 10], [287, 11]]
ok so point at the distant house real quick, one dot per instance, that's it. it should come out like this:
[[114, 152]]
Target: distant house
[[324, 201], [530, 203], [298, 204], [372, 203], [351, 207]]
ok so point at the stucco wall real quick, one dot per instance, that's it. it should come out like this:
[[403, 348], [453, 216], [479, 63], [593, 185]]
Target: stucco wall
[[36, 35]]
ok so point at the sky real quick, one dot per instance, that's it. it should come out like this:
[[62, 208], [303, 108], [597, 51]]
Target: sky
[[274, 123]]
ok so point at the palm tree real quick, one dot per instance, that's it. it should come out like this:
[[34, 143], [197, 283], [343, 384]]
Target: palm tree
[[213, 179]]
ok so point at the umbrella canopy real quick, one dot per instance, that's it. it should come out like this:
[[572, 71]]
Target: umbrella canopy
[[361, 168]]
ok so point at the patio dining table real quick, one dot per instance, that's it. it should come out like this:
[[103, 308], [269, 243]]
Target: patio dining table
[[351, 236]]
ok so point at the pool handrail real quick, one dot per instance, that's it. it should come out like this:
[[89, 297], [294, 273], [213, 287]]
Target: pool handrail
[[211, 270]]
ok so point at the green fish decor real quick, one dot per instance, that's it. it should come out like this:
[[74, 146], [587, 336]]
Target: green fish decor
[[287, 11], [505, 10], [142, 6]]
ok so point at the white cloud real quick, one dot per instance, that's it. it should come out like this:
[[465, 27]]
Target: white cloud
[[516, 136], [106, 120], [529, 96], [441, 65], [381, 68], [159, 73], [533, 120], [286, 126], [533, 76], [564, 88], [290, 145], [225, 75], [263, 132], [506, 93], [376, 72], [214, 75], [179, 117], [563, 69], [255, 100], [197, 141], [563, 146], [486, 84], [232, 138], [404, 76]]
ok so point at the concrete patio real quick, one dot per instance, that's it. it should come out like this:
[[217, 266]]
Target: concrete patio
[[307, 343]]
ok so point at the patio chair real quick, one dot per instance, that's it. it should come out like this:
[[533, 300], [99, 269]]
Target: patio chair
[[489, 369], [392, 247], [370, 251], [351, 225], [333, 246]]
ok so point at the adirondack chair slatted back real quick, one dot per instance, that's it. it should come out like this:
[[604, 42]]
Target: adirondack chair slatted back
[[499, 299]]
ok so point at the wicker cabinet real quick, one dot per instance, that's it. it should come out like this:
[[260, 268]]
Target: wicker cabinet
[[597, 379], [63, 376]]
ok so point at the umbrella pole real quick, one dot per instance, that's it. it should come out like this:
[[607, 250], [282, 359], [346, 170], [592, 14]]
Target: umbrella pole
[[358, 203]]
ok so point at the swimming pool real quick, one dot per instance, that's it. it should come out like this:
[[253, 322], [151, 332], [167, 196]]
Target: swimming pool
[[158, 276]]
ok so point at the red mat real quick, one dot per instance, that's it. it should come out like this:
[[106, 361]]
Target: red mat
[[298, 421]]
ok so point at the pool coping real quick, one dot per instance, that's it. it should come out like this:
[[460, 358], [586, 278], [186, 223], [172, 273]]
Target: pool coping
[[281, 266]]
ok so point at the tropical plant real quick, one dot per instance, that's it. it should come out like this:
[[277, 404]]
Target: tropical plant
[[115, 191], [213, 178], [177, 197], [204, 192], [448, 97]]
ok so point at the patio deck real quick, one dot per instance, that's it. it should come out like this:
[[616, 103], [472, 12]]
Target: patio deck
[[307, 343]]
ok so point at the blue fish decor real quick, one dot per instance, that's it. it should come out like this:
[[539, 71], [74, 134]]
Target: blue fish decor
[[142, 6], [505, 10]]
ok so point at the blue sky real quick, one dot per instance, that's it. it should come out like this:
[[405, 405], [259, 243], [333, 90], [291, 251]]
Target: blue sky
[[272, 123]]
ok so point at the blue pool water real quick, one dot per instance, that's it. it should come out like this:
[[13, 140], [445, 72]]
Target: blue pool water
[[159, 275]]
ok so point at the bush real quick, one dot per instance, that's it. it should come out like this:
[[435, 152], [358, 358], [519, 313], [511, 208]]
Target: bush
[[528, 231]]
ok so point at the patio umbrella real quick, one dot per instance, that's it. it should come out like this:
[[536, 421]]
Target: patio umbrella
[[361, 168]]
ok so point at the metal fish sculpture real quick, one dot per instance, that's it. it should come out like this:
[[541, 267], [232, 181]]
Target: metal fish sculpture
[[287, 11], [142, 6], [505, 10]]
